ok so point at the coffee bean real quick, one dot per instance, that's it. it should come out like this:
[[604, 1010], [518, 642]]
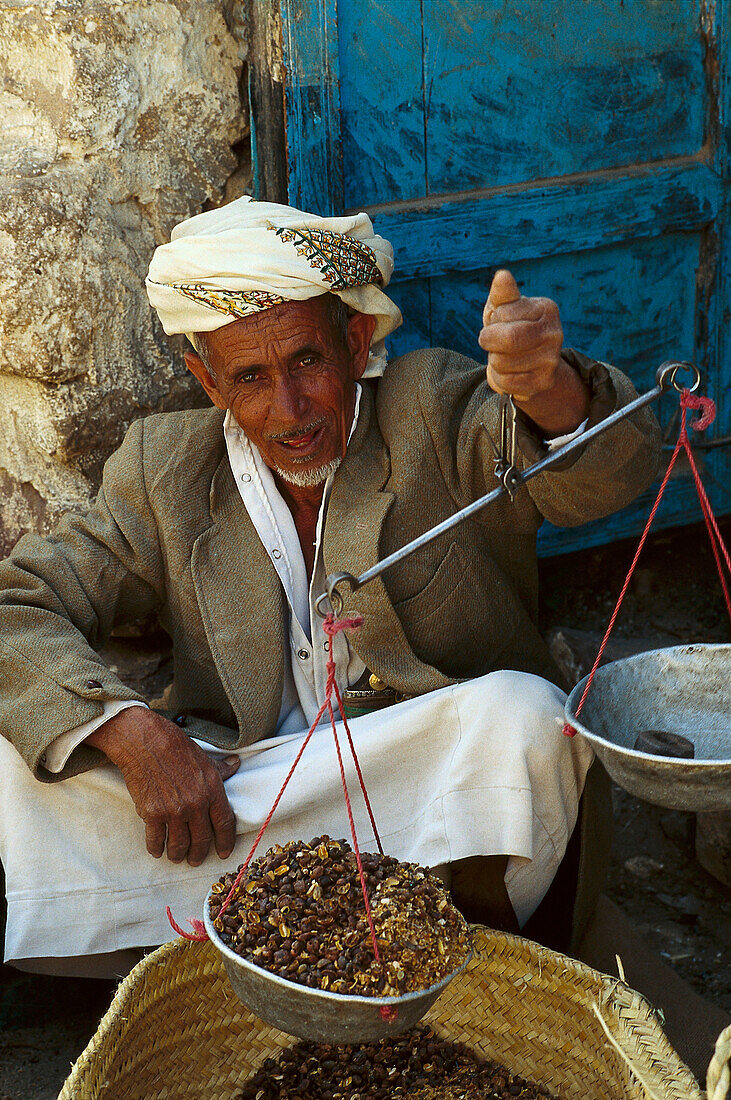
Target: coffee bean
[[419, 1064], [308, 899]]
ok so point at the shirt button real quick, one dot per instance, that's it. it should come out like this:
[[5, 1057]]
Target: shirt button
[[246, 477], [276, 554], [93, 684], [302, 654]]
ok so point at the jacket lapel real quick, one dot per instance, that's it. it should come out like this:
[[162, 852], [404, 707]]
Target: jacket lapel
[[357, 511], [358, 504], [243, 608]]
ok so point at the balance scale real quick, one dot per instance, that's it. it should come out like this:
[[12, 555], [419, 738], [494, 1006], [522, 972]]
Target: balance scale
[[683, 690]]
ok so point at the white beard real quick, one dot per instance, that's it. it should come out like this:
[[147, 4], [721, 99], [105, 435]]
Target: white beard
[[308, 479]]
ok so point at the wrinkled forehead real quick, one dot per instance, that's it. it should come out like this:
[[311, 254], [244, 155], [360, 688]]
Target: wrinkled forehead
[[287, 325]]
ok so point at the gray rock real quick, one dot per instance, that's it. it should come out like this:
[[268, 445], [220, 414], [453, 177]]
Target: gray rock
[[677, 826], [713, 844], [643, 867], [118, 120], [574, 651]]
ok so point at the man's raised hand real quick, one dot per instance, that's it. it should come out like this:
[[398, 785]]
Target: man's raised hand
[[523, 338], [176, 788]]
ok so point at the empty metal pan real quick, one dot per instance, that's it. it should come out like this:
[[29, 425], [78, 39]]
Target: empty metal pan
[[683, 690], [315, 1014]]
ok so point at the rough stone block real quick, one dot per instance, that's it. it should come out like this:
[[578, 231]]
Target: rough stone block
[[119, 118]]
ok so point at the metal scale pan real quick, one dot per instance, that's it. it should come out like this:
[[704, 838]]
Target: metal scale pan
[[684, 690], [316, 1014]]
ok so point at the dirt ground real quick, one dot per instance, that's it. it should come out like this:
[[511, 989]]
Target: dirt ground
[[681, 910]]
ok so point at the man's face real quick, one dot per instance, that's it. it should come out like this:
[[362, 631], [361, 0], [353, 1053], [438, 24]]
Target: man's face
[[289, 381]]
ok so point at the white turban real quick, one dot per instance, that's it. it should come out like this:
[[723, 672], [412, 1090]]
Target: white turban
[[248, 256]]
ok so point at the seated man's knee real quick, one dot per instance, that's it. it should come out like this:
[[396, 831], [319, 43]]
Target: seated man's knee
[[524, 711]]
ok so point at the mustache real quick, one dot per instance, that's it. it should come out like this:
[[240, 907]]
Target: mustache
[[296, 433]]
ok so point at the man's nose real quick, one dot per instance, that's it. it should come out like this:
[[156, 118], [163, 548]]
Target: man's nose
[[289, 403]]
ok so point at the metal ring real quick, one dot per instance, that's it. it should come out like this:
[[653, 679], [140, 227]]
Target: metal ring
[[332, 594], [667, 375], [321, 611]]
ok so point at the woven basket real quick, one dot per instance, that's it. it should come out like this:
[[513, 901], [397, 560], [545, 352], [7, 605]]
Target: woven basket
[[175, 1029]]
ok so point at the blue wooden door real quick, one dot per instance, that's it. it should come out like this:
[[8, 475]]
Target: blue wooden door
[[584, 144]]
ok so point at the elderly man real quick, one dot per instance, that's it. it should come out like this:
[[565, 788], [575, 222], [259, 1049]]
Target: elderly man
[[225, 522]]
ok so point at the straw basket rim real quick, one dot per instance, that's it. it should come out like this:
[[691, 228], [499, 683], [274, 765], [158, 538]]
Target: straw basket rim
[[550, 1018]]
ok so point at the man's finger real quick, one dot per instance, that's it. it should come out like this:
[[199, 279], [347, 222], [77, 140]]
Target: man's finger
[[516, 337], [178, 840], [539, 361], [223, 820], [201, 835], [155, 838], [521, 385], [503, 290]]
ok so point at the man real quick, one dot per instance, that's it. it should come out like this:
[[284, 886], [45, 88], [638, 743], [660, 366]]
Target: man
[[225, 522]]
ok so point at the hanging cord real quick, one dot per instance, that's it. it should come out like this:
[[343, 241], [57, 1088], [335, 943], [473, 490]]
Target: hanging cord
[[331, 626], [708, 415]]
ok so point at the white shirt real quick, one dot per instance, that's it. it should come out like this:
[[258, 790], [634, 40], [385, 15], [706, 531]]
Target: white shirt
[[305, 673]]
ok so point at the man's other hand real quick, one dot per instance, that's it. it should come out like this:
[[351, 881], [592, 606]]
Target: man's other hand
[[176, 788], [524, 338]]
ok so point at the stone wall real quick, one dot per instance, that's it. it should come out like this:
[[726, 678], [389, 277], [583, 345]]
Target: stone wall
[[119, 118]]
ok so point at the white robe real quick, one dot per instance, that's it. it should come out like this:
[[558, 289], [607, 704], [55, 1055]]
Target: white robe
[[481, 768]]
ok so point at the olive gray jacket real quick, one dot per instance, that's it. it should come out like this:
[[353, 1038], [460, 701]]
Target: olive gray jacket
[[170, 534]]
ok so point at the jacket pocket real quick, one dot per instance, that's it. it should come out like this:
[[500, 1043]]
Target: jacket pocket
[[463, 619], [429, 600]]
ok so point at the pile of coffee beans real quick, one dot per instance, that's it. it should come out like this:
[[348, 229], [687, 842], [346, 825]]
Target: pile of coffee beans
[[299, 913], [418, 1064]]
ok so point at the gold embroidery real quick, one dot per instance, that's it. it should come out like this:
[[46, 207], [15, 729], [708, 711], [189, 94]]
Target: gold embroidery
[[341, 260], [237, 303]]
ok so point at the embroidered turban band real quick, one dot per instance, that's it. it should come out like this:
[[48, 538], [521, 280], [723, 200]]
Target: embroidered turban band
[[248, 256]]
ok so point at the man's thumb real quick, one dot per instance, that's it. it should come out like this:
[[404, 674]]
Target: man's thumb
[[504, 289], [227, 765]]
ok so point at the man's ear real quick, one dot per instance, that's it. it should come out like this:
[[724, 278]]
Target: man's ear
[[360, 332], [196, 366]]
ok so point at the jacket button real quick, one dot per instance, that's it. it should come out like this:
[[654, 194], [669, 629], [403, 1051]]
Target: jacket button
[[302, 654], [93, 684], [181, 720]]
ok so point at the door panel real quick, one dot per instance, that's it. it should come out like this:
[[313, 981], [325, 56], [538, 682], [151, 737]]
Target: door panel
[[633, 305], [527, 91], [382, 116]]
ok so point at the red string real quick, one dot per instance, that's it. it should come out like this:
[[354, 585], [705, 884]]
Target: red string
[[356, 849], [331, 627], [717, 543], [197, 926], [357, 768], [708, 415]]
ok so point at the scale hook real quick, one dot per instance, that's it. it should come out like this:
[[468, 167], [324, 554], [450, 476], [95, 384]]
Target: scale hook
[[332, 594]]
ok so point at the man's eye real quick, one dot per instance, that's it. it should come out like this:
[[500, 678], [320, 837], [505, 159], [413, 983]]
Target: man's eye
[[248, 376], [308, 360]]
